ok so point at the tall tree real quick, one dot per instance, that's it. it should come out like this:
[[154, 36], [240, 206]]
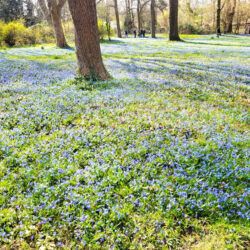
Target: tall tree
[[119, 33], [230, 16], [11, 10], [218, 18], [140, 6], [55, 9], [129, 16], [87, 39], [30, 18], [139, 14], [173, 20], [153, 19], [52, 11]]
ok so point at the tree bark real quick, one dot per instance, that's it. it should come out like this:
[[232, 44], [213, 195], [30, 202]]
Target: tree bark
[[218, 18], [58, 29], [230, 17], [55, 12], [119, 33], [88, 49], [173, 21], [153, 19]]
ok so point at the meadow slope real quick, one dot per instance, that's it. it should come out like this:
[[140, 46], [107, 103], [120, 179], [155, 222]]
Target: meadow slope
[[156, 158]]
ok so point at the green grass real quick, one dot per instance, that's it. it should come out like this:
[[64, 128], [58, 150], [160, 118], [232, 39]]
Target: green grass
[[156, 158]]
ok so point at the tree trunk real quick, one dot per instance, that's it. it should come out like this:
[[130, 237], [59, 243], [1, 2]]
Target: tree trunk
[[58, 28], [119, 33], [139, 14], [218, 18], [153, 19], [230, 17], [129, 17], [55, 9], [87, 40], [173, 21]]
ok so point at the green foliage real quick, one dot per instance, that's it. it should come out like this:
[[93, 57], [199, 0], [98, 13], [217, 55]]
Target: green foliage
[[15, 33], [104, 29], [42, 33], [156, 159], [82, 84], [11, 10], [190, 29], [1, 31]]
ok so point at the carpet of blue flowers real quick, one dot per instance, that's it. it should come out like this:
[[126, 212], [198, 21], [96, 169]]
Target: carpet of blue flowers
[[156, 158]]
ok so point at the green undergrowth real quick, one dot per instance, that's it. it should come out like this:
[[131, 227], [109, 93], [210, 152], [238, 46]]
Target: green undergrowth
[[155, 158]]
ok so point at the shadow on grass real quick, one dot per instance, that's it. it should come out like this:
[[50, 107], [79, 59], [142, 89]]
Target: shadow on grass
[[113, 41], [70, 48], [214, 44]]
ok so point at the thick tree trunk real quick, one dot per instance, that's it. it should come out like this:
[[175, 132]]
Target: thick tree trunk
[[58, 28], [218, 18], [119, 33], [153, 19], [173, 20], [87, 39], [230, 17]]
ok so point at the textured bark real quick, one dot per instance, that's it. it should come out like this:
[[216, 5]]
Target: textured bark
[[55, 9], [230, 17], [119, 33], [87, 40], [173, 20], [218, 18], [153, 19]]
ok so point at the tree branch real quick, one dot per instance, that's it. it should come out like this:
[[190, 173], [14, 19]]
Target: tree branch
[[61, 3]]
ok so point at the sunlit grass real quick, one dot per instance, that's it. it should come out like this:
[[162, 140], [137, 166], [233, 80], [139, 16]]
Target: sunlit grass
[[156, 157]]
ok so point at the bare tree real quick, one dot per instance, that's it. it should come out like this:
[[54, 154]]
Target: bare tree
[[140, 7], [45, 11], [153, 19], [129, 16], [52, 12], [218, 18], [173, 20], [87, 39], [55, 8], [119, 33], [139, 14], [230, 16]]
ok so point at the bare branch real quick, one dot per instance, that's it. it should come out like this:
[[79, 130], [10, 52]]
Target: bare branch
[[61, 3]]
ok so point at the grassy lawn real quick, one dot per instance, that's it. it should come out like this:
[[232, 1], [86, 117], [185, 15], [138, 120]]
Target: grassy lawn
[[156, 158]]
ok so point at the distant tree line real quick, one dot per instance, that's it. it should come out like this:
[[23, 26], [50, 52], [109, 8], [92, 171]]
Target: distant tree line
[[19, 9]]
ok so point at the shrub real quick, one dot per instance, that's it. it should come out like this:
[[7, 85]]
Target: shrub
[[189, 29], [104, 30], [42, 33], [1, 32], [13, 33]]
